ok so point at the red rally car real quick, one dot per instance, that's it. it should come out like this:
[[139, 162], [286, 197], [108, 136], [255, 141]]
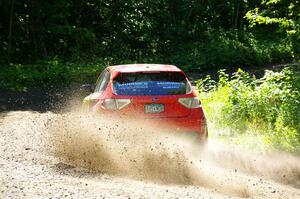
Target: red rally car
[[158, 93]]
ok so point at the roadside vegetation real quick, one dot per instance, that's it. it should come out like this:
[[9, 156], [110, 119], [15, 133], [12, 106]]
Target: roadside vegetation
[[23, 77], [260, 113]]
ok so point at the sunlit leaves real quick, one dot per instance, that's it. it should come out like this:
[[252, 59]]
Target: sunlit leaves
[[270, 104], [283, 13]]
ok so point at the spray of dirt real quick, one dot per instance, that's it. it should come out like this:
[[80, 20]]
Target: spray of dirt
[[135, 149], [279, 166], [138, 150]]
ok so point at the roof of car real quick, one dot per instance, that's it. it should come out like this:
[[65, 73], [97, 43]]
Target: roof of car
[[144, 67]]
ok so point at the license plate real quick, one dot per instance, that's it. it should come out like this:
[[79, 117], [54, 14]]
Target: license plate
[[154, 108]]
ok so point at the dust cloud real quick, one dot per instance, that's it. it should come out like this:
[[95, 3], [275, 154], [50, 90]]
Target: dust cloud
[[134, 149], [278, 166], [140, 150], [47, 147]]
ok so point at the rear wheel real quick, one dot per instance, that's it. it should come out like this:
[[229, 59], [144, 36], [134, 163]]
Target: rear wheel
[[201, 142]]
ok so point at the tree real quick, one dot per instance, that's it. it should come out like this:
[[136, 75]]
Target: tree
[[283, 13]]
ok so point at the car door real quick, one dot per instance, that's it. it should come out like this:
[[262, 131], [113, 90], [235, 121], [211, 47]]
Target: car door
[[101, 85]]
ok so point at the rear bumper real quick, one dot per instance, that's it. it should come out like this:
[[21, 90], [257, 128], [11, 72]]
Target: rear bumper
[[194, 123]]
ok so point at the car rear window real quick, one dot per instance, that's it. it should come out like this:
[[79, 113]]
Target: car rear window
[[155, 83]]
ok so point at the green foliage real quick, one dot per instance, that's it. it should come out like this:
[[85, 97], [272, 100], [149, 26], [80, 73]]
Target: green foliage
[[47, 74], [266, 108], [202, 35], [284, 14], [228, 49], [193, 34]]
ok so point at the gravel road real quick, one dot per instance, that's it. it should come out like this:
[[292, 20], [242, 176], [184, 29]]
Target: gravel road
[[71, 155]]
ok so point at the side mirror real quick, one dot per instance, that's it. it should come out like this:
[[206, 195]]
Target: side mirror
[[87, 87]]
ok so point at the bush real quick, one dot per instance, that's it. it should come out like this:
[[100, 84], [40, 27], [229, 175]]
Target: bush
[[266, 108]]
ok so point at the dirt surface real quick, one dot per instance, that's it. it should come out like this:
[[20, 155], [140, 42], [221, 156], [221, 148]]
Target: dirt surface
[[75, 155]]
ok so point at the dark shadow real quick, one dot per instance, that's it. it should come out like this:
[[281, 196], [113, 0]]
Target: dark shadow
[[40, 100], [258, 72]]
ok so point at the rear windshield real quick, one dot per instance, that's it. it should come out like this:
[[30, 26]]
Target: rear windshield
[[160, 83]]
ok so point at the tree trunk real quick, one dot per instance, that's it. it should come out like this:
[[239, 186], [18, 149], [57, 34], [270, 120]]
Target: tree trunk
[[237, 15], [37, 30], [10, 29]]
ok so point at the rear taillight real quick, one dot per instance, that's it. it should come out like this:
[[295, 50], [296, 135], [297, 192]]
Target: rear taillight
[[115, 104], [190, 102]]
